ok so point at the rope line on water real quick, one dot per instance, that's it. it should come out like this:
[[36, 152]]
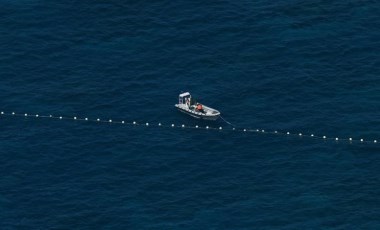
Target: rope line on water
[[226, 121], [172, 125]]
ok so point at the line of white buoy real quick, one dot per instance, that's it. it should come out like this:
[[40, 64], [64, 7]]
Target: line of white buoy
[[183, 126]]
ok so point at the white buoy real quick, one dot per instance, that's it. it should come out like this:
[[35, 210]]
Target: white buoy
[[86, 119], [2, 113], [257, 130], [98, 119], [51, 116], [275, 132], [337, 139], [60, 118], [147, 124], [220, 128], [159, 124], [183, 126], [375, 141], [26, 114], [134, 122], [75, 118], [110, 121], [245, 130], [361, 140], [13, 113], [262, 130], [300, 134], [37, 115], [288, 133], [233, 128], [350, 139], [206, 127], [196, 126], [172, 125], [324, 137], [312, 135]]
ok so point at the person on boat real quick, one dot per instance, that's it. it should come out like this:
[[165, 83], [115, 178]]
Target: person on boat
[[200, 108], [188, 102]]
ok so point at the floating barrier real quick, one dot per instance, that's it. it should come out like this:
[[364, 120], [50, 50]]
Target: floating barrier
[[162, 125]]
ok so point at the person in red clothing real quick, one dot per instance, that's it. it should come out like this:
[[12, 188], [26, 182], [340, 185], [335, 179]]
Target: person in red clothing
[[200, 108]]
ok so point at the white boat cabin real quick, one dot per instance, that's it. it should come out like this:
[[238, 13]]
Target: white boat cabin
[[184, 98]]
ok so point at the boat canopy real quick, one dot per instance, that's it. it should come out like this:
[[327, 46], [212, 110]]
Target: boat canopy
[[184, 94]]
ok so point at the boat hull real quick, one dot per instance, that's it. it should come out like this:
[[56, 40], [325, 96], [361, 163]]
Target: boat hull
[[198, 115]]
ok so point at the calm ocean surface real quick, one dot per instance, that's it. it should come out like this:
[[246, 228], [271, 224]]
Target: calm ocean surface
[[298, 66]]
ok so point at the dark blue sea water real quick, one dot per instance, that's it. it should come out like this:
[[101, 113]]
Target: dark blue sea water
[[301, 66]]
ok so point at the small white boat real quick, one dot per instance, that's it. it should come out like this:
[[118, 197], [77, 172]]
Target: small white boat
[[187, 104]]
